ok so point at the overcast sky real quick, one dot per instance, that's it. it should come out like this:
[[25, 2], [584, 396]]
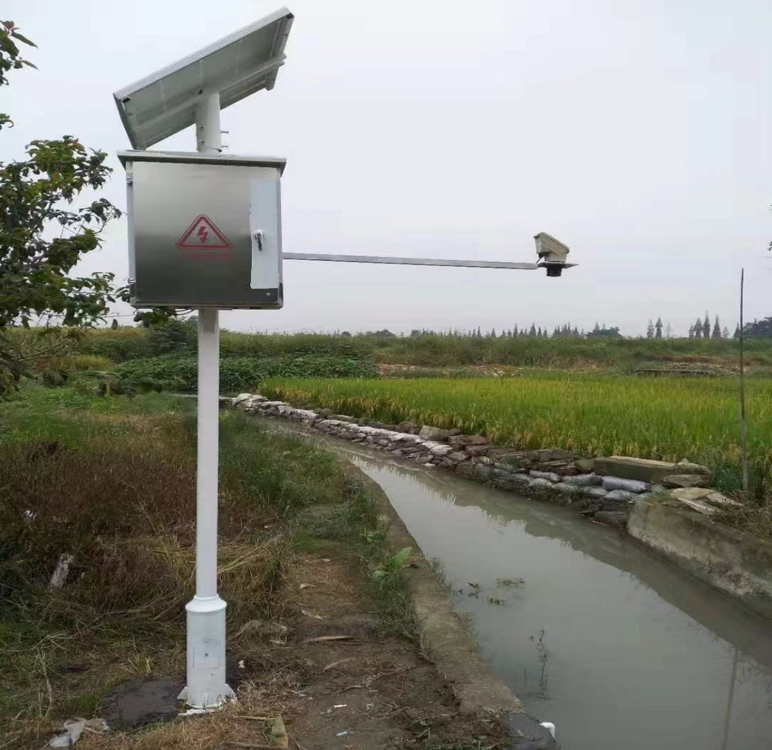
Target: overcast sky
[[637, 132]]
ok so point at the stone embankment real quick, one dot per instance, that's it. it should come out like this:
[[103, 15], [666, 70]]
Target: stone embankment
[[602, 488], [653, 501]]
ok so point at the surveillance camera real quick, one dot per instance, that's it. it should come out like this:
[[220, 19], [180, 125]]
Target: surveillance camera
[[552, 254]]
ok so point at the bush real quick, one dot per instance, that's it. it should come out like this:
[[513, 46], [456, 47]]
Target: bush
[[117, 345], [76, 363], [239, 373]]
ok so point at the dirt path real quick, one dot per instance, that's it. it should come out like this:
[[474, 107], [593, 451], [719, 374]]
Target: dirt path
[[334, 680]]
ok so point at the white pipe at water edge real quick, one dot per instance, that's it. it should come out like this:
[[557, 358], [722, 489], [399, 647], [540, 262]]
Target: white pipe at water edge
[[550, 727], [206, 686]]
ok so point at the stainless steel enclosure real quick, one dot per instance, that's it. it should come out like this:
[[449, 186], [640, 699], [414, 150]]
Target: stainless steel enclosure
[[204, 231]]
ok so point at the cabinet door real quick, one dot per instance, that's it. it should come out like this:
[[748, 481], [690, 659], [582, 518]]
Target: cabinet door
[[265, 229]]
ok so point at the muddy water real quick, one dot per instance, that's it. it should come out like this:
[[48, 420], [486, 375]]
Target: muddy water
[[594, 633]]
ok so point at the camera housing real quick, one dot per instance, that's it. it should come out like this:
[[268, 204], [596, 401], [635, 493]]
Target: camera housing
[[552, 254]]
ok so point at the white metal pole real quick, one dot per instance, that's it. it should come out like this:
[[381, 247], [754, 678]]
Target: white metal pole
[[208, 134], [206, 686]]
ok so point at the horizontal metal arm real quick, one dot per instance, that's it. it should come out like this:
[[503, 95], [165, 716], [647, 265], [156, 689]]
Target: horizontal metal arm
[[412, 261]]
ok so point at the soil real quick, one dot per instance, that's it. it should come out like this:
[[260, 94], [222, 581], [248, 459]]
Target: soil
[[364, 691], [360, 692]]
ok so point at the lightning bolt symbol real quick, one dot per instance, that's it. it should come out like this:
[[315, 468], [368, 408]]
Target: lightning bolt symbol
[[202, 233]]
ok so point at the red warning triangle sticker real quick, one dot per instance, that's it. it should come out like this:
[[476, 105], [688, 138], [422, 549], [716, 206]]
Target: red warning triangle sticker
[[203, 234]]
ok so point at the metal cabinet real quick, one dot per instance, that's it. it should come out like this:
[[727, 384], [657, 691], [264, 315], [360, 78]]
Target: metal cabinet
[[204, 231]]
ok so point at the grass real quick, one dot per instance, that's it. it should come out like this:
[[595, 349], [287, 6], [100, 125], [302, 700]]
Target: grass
[[443, 350], [111, 481], [667, 418]]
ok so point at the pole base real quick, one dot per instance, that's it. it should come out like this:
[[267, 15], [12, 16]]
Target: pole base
[[206, 687]]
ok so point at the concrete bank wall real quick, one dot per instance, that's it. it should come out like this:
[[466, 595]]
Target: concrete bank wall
[[736, 563]]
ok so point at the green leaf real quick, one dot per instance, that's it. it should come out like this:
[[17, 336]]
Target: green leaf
[[22, 38]]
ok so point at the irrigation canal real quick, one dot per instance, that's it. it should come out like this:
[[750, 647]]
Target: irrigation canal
[[593, 632]]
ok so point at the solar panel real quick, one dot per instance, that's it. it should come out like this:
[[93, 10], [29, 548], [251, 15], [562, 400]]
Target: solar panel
[[236, 66]]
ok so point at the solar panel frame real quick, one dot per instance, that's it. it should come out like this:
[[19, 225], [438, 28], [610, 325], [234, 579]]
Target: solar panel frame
[[242, 63]]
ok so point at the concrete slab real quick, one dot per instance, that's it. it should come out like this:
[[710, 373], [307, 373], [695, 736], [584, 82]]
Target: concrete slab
[[642, 469]]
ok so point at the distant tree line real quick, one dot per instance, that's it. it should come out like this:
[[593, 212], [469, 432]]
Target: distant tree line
[[702, 328], [759, 329]]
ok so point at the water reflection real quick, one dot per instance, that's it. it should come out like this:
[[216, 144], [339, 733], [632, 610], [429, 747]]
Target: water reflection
[[604, 638]]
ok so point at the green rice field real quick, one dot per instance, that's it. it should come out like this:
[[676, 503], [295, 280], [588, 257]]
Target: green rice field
[[667, 418]]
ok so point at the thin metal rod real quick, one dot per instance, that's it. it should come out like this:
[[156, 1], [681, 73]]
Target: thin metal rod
[[386, 260], [743, 422]]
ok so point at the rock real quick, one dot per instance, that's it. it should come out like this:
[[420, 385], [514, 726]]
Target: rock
[[380, 426], [142, 701], [640, 469], [595, 492], [483, 472], [615, 518], [567, 489], [467, 440], [550, 454], [513, 482], [585, 480], [484, 460], [619, 496], [685, 480], [700, 506], [433, 433], [397, 452], [476, 450], [441, 450], [564, 468], [548, 475], [700, 499], [404, 437], [342, 418], [507, 467], [466, 470], [241, 397], [410, 427], [447, 463], [511, 457], [62, 570], [458, 456], [586, 465], [719, 499], [538, 484], [691, 493], [686, 467], [628, 485]]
